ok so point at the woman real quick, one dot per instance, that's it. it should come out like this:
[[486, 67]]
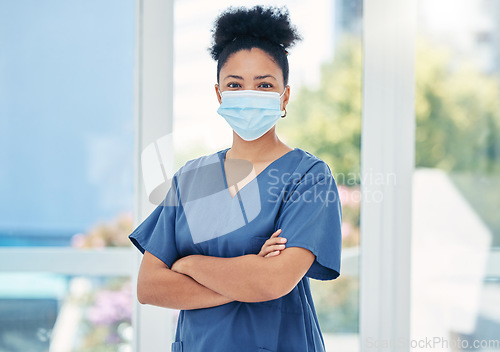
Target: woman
[[215, 248]]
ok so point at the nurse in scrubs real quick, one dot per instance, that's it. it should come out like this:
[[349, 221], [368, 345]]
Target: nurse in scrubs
[[243, 230]]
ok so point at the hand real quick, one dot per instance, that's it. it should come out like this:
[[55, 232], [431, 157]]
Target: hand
[[273, 246]]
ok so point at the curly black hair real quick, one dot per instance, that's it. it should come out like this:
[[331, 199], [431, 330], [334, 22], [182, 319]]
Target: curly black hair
[[241, 28]]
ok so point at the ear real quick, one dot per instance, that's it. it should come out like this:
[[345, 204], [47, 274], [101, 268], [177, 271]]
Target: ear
[[286, 98], [217, 93]]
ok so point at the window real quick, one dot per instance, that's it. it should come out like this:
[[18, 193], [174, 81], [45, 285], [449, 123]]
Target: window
[[66, 150], [68, 133], [456, 232]]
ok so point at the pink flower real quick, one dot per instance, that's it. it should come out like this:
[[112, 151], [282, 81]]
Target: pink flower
[[349, 196], [111, 307], [78, 240], [346, 229]]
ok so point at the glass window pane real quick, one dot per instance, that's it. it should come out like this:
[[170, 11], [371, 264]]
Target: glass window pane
[[456, 228], [44, 311], [324, 118], [66, 126]]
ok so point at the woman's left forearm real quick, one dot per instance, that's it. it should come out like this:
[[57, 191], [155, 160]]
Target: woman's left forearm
[[247, 278]]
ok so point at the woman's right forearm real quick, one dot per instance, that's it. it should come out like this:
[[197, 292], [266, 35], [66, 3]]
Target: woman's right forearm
[[159, 286]]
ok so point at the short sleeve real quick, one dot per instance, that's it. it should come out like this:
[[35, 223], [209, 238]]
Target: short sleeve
[[311, 218], [156, 234]]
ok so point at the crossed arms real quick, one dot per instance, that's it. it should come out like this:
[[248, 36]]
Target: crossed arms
[[199, 281]]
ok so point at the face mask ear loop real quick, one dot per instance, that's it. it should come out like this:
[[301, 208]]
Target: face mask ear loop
[[220, 93], [281, 96]]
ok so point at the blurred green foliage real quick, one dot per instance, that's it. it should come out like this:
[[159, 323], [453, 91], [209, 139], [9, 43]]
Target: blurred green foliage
[[457, 113], [326, 121]]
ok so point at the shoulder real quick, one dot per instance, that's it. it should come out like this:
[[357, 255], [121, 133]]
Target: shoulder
[[201, 163], [200, 175], [311, 165]]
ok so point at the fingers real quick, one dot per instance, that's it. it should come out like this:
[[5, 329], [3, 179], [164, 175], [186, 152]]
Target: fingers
[[273, 246], [274, 238], [268, 249], [272, 254], [275, 241], [276, 233]]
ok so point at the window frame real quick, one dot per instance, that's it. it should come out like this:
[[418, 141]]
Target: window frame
[[153, 106], [387, 148]]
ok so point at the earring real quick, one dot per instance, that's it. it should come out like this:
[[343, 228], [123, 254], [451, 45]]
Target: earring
[[285, 113]]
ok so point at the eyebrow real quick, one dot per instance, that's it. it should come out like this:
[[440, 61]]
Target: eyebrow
[[255, 78], [264, 76]]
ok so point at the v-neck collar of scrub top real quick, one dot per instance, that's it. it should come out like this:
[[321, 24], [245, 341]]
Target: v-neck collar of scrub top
[[224, 152]]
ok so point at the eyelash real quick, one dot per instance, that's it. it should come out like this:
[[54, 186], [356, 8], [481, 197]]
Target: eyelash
[[268, 84], [237, 85]]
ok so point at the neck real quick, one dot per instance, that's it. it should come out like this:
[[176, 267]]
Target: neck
[[254, 150]]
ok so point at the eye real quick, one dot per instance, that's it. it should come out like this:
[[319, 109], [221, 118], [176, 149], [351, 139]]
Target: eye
[[265, 85], [233, 85]]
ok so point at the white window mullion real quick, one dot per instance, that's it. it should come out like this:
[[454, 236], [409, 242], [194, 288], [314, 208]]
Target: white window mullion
[[153, 120], [387, 161]]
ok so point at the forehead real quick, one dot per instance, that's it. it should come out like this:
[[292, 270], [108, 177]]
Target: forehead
[[251, 62]]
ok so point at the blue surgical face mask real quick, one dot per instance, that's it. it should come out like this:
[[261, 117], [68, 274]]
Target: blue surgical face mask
[[250, 113]]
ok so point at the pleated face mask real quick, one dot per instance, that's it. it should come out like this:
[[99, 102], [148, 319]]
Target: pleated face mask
[[250, 113]]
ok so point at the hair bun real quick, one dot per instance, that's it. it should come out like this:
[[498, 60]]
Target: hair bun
[[270, 23]]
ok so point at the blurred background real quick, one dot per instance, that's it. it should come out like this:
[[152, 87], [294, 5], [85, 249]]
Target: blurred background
[[67, 159]]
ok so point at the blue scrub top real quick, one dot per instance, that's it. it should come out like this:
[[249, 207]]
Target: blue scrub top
[[297, 193]]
